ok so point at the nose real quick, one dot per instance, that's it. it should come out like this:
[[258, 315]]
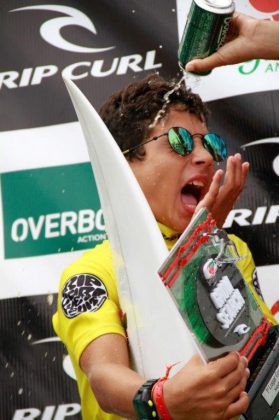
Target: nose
[[199, 154]]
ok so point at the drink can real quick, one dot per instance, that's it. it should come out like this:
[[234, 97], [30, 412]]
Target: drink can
[[205, 30]]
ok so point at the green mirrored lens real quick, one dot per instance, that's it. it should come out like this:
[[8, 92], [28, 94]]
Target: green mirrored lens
[[187, 140], [175, 141], [180, 140], [216, 146]]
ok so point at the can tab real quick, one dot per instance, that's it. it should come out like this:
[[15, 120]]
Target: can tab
[[219, 3]]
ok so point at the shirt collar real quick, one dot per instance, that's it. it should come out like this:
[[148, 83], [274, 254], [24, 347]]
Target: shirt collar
[[169, 235]]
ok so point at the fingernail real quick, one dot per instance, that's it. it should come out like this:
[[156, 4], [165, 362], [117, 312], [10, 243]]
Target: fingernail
[[245, 360], [238, 155], [189, 67], [244, 394], [247, 372]]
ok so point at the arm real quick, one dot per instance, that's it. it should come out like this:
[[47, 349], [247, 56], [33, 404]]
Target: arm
[[105, 361], [216, 388], [248, 38]]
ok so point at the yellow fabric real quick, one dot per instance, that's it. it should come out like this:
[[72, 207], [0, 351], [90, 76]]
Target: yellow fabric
[[247, 268], [169, 235], [78, 332]]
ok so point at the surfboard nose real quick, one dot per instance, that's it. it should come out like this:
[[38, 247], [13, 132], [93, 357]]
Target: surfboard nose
[[90, 121]]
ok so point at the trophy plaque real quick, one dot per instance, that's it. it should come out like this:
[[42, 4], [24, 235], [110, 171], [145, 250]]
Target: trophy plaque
[[202, 275]]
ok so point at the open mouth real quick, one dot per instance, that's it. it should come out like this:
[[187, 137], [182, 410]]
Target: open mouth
[[192, 193]]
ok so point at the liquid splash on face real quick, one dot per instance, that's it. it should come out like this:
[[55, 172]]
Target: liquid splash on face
[[190, 79]]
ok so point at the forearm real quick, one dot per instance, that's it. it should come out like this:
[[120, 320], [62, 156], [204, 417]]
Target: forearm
[[105, 362], [195, 388], [266, 39], [115, 386]]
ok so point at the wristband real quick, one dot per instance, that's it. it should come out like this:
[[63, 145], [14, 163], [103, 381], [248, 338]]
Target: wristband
[[143, 402], [157, 393]]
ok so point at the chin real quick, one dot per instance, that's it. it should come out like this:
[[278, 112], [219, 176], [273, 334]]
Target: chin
[[182, 226]]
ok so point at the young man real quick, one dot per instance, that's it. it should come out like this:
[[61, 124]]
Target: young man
[[174, 163]]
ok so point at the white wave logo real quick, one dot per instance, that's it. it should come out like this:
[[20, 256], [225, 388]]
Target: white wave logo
[[275, 163], [67, 364], [50, 30]]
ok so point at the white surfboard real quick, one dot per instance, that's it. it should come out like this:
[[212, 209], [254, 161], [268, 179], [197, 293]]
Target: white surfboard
[[157, 334]]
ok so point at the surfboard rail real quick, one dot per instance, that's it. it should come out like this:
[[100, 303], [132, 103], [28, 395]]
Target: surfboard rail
[[157, 334]]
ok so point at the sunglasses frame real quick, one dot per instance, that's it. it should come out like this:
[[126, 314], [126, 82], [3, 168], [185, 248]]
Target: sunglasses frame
[[202, 136]]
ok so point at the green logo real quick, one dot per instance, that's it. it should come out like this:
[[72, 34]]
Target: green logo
[[51, 210], [252, 66]]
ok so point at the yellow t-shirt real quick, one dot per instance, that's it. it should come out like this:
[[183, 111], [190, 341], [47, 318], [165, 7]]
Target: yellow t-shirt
[[88, 307]]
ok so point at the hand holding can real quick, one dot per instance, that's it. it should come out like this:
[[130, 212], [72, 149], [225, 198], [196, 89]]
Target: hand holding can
[[205, 29]]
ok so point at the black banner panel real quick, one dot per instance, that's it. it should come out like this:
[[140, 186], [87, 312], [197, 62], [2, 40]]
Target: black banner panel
[[101, 45], [250, 124], [36, 380]]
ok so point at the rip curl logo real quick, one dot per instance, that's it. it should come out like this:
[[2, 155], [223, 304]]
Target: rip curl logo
[[267, 6], [275, 163], [51, 30], [66, 363], [83, 293]]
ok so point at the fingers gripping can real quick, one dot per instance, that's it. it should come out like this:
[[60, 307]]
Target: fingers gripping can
[[205, 30]]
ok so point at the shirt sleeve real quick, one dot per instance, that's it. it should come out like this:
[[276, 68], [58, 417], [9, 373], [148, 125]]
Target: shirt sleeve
[[88, 304]]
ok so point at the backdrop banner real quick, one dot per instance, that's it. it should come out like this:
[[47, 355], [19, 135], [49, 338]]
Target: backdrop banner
[[49, 207]]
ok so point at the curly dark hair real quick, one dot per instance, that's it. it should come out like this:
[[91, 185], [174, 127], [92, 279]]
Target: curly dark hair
[[130, 112]]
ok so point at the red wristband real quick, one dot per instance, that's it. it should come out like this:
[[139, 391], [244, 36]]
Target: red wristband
[[158, 398]]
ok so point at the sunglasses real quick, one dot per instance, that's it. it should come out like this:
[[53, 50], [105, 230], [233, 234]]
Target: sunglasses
[[182, 142]]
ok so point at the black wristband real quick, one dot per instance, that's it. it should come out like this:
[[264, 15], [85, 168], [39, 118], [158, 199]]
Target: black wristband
[[143, 402]]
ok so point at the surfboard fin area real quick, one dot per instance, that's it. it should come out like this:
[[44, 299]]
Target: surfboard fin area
[[157, 334]]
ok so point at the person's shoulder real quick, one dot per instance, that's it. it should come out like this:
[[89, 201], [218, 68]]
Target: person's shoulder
[[102, 249], [240, 244], [246, 263], [96, 261]]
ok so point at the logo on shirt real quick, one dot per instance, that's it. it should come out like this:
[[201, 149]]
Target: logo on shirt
[[83, 293], [263, 142]]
